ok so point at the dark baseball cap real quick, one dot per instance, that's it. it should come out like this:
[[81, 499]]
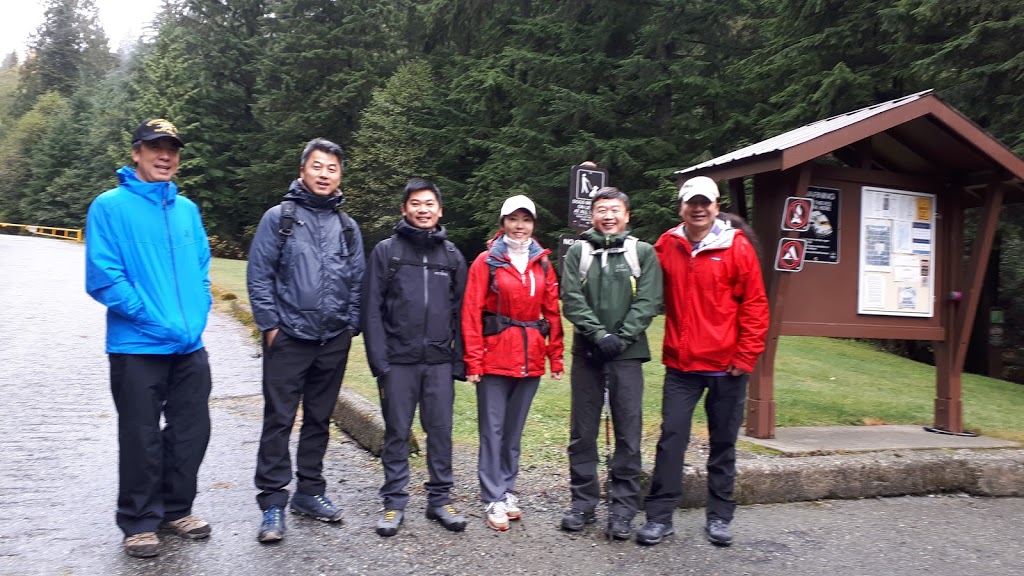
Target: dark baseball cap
[[156, 128]]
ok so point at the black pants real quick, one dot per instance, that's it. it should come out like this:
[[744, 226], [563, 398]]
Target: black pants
[[724, 409], [626, 394], [502, 404], [295, 369], [432, 388], [157, 468]]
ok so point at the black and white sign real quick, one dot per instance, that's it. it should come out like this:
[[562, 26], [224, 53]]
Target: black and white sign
[[583, 184], [822, 234]]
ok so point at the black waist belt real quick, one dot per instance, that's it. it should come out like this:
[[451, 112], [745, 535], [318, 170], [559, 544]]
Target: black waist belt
[[496, 324]]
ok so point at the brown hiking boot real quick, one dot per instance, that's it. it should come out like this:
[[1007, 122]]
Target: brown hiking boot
[[143, 545], [189, 527]]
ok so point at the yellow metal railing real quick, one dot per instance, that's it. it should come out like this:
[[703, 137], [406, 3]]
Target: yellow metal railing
[[75, 234]]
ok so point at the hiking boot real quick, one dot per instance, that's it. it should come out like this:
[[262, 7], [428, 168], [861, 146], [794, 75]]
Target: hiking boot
[[618, 527], [512, 506], [447, 516], [189, 527], [497, 516], [574, 520], [315, 506], [142, 545], [272, 527], [653, 532], [389, 522], [718, 532]]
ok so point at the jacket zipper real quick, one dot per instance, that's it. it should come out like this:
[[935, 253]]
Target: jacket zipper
[[174, 268], [426, 308]]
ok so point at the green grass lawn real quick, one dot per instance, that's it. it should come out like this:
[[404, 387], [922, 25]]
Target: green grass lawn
[[818, 382]]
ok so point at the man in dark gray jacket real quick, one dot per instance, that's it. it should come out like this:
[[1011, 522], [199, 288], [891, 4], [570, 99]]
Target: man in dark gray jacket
[[412, 298], [305, 276]]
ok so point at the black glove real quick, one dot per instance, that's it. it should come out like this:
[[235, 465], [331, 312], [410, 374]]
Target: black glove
[[610, 346]]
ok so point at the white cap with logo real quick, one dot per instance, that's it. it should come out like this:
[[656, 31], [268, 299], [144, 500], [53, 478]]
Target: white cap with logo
[[518, 202], [699, 186]]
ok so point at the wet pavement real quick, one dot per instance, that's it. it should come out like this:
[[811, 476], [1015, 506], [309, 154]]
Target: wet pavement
[[58, 459]]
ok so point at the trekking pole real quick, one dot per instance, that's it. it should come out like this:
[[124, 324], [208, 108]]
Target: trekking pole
[[607, 446]]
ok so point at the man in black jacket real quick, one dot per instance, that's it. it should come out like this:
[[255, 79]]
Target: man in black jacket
[[305, 275], [412, 295]]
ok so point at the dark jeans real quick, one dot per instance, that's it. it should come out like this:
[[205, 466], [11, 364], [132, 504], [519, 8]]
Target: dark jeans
[[157, 468], [432, 388], [502, 404], [626, 394], [295, 369], [724, 409]]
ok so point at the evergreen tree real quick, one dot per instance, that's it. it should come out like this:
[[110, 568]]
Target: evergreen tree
[[18, 149], [68, 48]]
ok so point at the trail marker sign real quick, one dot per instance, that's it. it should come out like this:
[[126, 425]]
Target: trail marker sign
[[790, 256], [797, 215]]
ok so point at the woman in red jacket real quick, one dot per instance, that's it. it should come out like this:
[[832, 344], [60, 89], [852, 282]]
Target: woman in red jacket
[[510, 326]]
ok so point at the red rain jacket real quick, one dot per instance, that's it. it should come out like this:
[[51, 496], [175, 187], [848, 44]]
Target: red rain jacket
[[716, 310]]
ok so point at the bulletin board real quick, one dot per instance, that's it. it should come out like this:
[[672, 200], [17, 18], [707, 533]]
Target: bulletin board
[[897, 253]]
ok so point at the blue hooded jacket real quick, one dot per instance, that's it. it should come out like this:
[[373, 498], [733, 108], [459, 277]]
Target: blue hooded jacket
[[147, 259]]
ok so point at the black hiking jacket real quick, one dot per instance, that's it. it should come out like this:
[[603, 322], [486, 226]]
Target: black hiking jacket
[[412, 298]]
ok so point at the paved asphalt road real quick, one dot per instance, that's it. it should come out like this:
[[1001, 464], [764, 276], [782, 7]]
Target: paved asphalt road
[[58, 458]]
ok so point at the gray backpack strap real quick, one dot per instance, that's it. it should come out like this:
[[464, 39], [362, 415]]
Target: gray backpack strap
[[586, 259], [631, 257]]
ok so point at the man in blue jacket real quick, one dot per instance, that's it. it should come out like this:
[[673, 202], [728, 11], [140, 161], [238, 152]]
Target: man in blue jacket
[[147, 260], [305, 274], [412, 298]]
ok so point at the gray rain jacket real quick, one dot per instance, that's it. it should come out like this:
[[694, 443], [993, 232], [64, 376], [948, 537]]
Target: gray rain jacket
[[310, 285]]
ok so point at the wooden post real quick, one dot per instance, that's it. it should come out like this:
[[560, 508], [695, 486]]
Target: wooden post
[[761, 394]]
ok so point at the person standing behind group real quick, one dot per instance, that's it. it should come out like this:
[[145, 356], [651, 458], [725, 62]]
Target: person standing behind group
[[510, 326], [412, 298], [716, 319], [305, 275], [611, 307], [147, 259]]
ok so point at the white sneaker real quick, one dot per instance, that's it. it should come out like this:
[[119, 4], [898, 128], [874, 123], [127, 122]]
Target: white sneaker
[[512, 506], [497, 517]]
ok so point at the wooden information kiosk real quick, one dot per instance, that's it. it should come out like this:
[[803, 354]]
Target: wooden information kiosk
[[872, 204]]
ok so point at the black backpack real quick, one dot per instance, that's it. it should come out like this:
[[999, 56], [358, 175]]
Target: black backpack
[[348, 225], [402, 259]]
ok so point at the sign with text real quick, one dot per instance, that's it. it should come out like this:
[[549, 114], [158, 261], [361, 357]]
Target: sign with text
[[790, 256], [823, 233], [565, 241], [584, 182]]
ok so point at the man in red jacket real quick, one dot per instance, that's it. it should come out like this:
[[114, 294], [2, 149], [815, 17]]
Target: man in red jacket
[[716, 318]]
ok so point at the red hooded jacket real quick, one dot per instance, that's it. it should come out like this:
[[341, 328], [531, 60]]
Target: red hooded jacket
[[716, 310], [524, 297]]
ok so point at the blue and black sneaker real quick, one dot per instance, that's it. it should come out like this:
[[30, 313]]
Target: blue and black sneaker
[[319, 507], [272, 528]]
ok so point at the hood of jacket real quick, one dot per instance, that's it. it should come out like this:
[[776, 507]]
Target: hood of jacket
[[602, 240], [498, 255], [298, 193], [719, 237], [420, 237], [155, 192]]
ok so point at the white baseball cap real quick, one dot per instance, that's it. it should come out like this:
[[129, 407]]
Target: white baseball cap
[[518, 202], [699, 186]]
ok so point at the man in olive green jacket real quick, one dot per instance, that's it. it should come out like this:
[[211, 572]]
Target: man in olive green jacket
[[611, 305]]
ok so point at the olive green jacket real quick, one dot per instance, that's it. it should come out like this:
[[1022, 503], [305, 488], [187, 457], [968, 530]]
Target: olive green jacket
[[604, 302]]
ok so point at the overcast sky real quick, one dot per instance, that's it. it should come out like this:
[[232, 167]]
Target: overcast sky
[[123, 20]]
